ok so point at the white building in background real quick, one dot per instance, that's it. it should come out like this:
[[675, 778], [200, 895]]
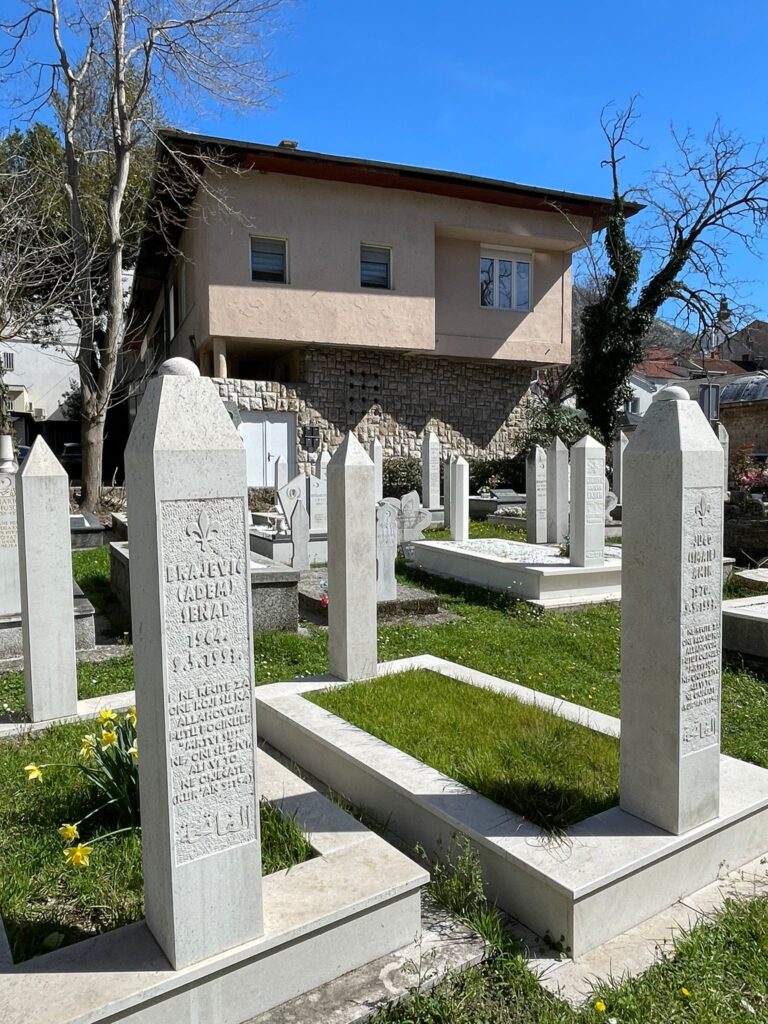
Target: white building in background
[[38, 377]]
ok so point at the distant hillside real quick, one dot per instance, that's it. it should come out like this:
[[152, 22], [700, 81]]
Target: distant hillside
[[661, 335]]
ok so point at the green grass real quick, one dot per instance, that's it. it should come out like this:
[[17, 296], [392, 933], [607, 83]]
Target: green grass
[[91, 570], [480, 529], [94, 679], [44, 902], [553, 772]]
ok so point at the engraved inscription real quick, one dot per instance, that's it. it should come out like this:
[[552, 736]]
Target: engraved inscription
[[541, 492], [8, 535], [594, 512], [206, 589], [700, 624]]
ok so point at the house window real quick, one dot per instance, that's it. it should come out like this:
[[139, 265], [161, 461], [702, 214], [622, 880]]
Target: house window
[[375, 266], [7, 360], [268, 259], [505, 280]]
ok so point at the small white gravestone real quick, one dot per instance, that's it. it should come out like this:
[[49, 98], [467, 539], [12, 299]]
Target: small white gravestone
[[300, 537], [671, 618], [321, 466], [588, 503], [386, 551], [318, 503], [536, 496], [557, 492], [725, 444], [294, 491], [193, 665], [376, 455], [620, 443], [10, 592], [414, 519], [351, 563], [47, 605], [460, 501], [281, 473], [430, 470]]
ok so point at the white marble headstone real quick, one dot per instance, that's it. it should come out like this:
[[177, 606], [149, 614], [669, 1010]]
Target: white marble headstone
[[318, 503], [386, 551], [10, 593], [430, 470], [376, 455], [536, 496], [588, 485], [300, 537], [557, 492], [193, 665]]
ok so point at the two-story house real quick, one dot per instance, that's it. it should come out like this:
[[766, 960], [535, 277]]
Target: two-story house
[[325, 293]]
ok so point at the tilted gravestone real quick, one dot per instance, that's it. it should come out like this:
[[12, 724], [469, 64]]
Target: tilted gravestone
[[671, 617], [587, 503], [386, 551], [430, 470], [300, 537], [47, 604], [193, 666], [294, 491], [10, 593], [351, 563], [460, 500], [557, 492], [536, 496]]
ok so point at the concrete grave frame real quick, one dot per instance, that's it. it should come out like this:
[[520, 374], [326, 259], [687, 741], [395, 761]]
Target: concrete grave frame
[[604, 876], [356, 900]]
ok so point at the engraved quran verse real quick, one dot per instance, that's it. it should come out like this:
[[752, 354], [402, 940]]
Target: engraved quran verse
[[595, 493], [700, 655], [8, 537], [206, 575]]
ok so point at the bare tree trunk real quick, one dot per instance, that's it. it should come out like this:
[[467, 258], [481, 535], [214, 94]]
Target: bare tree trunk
[[92, 442]]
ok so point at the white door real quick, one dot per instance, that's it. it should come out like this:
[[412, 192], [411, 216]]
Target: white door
[[267, 435]]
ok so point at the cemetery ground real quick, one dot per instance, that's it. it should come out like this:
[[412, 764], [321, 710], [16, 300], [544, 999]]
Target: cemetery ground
[[716, 973]]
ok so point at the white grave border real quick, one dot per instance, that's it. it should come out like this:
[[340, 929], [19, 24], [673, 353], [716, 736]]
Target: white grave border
[[601, 878], [308, 909]]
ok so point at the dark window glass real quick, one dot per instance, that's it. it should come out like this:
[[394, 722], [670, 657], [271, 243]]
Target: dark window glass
[[375, 265], [268, 259]]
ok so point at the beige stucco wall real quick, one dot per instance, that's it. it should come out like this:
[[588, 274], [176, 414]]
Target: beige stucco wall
[[434, 304]]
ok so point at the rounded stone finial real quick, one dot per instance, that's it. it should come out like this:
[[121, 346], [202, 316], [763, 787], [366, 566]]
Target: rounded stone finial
[[179, 367], [673, 393]]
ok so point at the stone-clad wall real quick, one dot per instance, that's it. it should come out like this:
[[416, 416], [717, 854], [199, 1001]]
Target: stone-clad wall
[[746, 423], [475, 408]]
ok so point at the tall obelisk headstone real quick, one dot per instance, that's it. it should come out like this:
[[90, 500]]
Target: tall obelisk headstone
[[587, 503], [193, 665], [725, 443], [536, 496], [376, 455], [620, 443], [351, 563], [460, 500], [10, 592], [557, 492], [321, 466], [430, 470], [47, 604], [671, 617], [448, 488]]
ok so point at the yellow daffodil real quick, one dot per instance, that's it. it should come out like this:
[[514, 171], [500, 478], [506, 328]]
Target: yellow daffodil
[[134, 750], [34, 773], [106, 716], [87, 745], [130, 716], [78, 856], [108, 738], [68, 833], [685, 993], [600, 1006]]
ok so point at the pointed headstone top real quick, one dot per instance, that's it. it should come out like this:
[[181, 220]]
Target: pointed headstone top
[[588, 442], [670, 426], [41, 461], [557, 445], [350, 452]]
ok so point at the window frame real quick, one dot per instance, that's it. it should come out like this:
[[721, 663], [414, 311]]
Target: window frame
[[287, 266], [514, 256], [390, 286], [8, 361]]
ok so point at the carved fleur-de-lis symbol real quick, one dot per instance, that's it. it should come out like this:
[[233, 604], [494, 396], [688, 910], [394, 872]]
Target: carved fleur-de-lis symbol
[[703, 508], [203, 531]]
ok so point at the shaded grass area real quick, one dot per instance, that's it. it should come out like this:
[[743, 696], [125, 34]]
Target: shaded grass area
[[44, 903], [553, 772], [90, 567]]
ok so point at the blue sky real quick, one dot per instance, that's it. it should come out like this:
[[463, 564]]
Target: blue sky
[[510, 90]]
